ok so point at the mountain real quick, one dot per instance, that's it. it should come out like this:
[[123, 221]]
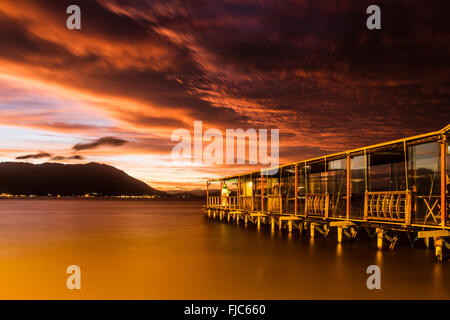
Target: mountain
[[21, 178]]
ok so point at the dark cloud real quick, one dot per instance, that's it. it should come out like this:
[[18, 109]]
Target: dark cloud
[[310, 68], [105, 141], [75, 157], [39, 155]]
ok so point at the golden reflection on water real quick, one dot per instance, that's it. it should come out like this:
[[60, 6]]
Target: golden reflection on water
[[339, 249], [130, 249], [379, 257]]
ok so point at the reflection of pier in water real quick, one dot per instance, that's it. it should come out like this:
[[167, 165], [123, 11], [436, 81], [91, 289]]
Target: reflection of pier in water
[[384, 189]]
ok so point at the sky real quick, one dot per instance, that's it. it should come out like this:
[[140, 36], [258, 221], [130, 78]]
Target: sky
[[114, 91]]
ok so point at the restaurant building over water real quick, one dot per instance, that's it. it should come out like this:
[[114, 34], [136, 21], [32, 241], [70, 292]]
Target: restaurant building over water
[[387, 188]]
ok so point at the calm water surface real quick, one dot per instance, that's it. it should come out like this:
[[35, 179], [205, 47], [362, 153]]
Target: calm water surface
[[168, 250]]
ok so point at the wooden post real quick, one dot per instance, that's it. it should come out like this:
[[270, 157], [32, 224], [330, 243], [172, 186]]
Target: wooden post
[[349, 190], [326, 176], [253, 196], [279, 190], [220, 194], [380, 236], [262, 192], [239, 192], [306, 190], [207, 194], [438, 245], [443, 180], [296, 190]]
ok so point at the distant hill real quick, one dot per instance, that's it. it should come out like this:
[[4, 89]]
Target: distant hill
[[20, 178]]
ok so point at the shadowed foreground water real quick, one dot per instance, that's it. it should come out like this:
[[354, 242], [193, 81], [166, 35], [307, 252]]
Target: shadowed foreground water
[[168, 250]]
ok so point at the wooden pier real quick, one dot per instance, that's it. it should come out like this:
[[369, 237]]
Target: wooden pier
[[401, 186]]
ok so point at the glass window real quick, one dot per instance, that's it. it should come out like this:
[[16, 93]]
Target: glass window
[[387, 170], [316, 177], [425, 182], [358, 186], [336, 177]]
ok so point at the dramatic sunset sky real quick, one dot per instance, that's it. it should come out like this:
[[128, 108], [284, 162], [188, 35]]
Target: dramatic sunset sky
[[137, 70]]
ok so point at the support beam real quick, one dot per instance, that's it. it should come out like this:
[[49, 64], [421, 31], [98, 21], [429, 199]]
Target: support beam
[[349, 184], [312, 227], [239, 193], [221, 186], [443, 180], [290, 226], [262, 193], [296, 190], [380, 237], [207, 195], [339, 230], [438, 246], [258, 224], [272, 224], [427, 242]]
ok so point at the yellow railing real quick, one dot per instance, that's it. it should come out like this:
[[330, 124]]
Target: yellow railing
[[274, 203], [317, 204], [223, 202], [392, 206], [247, 203], [213, 201]]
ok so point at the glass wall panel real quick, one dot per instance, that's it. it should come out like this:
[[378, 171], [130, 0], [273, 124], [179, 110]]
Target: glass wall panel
[[232, 186], [358, 186], [272, 192], [302, 189], [387, 170], [336, 177], [246, 192], [316, 177], [256, 178], [447, 189], [288, 189], [425, 182]]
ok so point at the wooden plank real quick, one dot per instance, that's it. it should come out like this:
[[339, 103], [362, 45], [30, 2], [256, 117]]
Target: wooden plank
[[341, 223], [433, 233]]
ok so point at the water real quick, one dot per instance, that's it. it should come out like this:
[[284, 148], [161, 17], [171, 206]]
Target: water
[[168, 250]]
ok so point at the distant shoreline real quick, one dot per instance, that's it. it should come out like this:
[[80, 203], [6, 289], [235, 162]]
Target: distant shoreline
[[175, 198]]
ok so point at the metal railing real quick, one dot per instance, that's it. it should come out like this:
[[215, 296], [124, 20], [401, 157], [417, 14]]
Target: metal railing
[[392, 206], [274, 203], [223, 202], [317, 204], [247, 203]]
